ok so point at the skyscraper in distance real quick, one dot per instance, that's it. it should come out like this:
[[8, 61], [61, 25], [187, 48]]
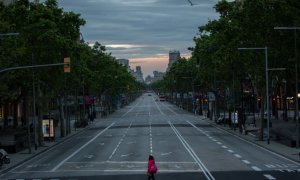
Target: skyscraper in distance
[[173, 57]]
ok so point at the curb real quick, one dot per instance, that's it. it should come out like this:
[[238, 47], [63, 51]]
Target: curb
[[60, 141], [251, 141]]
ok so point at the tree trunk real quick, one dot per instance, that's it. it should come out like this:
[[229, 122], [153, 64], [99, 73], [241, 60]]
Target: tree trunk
[[39, 125], [5, 114], [15, 115], [261, 117], [25, 119], [62, 118]]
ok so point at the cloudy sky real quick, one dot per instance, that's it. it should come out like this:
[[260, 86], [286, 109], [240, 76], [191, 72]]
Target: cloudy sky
[[143, 31]]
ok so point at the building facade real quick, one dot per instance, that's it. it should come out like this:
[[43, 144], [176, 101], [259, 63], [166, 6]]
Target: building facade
[[138, 74], [173, 57], [156, 77], [125, 63]]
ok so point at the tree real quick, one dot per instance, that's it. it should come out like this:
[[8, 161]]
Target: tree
[[47, 35]]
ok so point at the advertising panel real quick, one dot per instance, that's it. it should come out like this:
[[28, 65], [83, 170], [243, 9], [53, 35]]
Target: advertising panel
[[48, 128]]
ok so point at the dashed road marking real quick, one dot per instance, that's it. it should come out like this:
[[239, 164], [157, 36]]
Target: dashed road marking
[[150, 137], [231, 151], [165, 154], [237, 155], [120, 142], [79, 149], [125, 155], [256, 168], [246, 162], [269, 176]]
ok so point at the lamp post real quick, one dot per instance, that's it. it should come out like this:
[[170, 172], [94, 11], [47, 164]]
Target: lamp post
[[296, 76], [267, 84]]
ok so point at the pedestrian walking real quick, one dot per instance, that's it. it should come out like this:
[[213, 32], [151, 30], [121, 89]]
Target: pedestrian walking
[[152, 168]]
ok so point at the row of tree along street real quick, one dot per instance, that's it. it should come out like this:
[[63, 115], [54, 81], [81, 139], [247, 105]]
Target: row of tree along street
[[46, 34], [237, 78]]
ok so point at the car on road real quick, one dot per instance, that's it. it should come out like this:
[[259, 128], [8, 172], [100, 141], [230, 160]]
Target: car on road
[[162, 98]]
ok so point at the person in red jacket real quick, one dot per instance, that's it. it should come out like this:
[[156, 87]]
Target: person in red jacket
[[152, 168]]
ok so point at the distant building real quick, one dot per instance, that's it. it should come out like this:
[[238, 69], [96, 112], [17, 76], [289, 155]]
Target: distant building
[[148, 79], [138, 74], [173, 57], [125, 63], [157, 76]]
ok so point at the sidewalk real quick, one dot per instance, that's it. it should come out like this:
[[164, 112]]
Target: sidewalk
[[18, 158], [252, 137]]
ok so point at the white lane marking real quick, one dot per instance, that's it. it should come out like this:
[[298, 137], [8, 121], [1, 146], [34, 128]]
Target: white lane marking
[[231, 151], [219, 143], [129, 110], [256, 168], [206, 172], [89, 156], [79, 149], [269, 176], [263, 148], [114, 170], [159, 108], [165, 154], [150, 137], [141, 162], [120, 142], [126, 155], [225, 147], [246, 162], [237, 155]]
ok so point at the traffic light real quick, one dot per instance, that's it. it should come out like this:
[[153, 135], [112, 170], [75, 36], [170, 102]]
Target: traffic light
[[67, 67]]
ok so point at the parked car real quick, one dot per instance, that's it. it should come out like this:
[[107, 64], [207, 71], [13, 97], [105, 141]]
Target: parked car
[[162, 98]]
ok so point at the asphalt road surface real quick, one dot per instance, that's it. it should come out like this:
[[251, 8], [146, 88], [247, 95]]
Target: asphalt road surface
[[184, 146]]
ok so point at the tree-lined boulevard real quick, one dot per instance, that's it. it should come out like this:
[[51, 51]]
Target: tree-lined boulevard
[[242, 74], [185, 146]]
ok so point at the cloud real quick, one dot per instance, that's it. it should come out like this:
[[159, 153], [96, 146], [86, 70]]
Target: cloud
[[124, 46], [150, 64], [135, 29]]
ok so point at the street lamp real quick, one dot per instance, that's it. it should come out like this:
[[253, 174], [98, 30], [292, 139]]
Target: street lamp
[[267, 83], [296, 76]]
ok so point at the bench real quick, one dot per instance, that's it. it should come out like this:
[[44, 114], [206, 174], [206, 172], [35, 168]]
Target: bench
[[286, 138], [251, 129], [12, 143]]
